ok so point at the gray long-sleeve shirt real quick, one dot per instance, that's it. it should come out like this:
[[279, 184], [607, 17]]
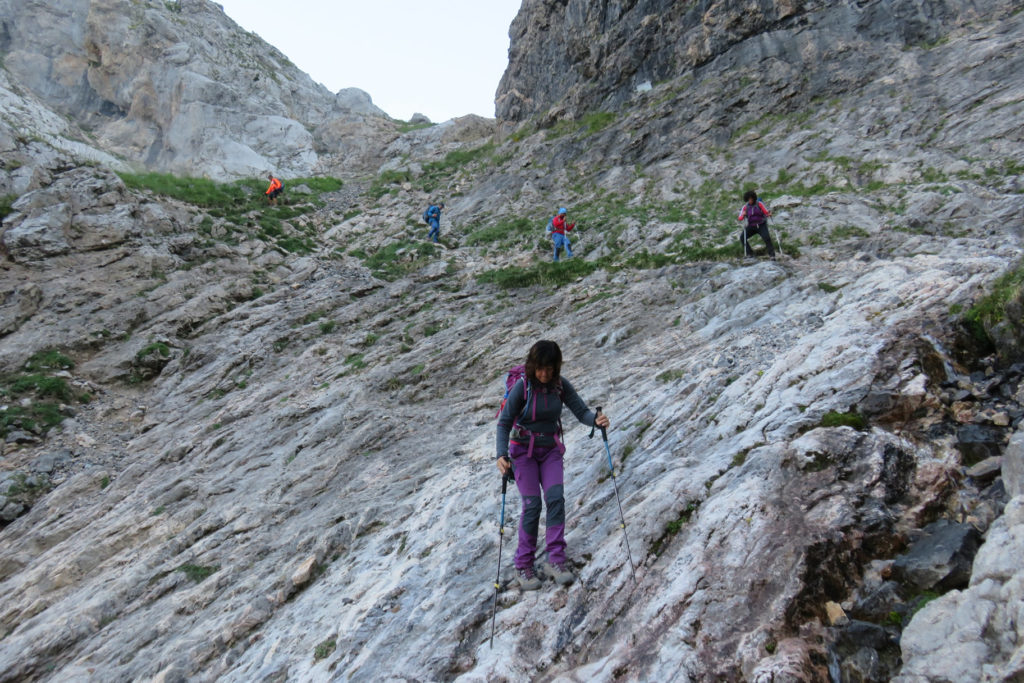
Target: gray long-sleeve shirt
[[541, 415]]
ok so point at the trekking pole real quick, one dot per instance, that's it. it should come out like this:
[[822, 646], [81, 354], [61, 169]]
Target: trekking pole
[[501, 537], [604, 435], [776, 235]]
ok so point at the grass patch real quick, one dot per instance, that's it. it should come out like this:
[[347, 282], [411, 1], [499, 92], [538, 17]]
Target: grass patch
[[588, 124], [159, 348], [32, 401], [543, 273], [991, 310], [434, 173], [198, 573], [41, 386], [5, 205], [397, 259], [238, 211], [49, 359], [670, 375], [597, 121], [918, 602], [430, 329], [848, 419], [505, 232], [408, 126], [324, 649], [672, 528], [356, 361], [25, 489]]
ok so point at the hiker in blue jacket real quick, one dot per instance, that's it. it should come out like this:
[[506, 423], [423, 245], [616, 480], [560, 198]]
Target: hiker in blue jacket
[[529, 441], [433, 218], [756, 215]]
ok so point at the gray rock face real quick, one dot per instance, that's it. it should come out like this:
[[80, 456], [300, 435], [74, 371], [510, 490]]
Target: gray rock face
[[79, 211], [175, 86], [603, 53]]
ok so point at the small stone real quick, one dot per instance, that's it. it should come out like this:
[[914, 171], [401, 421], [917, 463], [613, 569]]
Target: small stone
[[44, 464], [85, 441], [963, 412], [836, 614], [1001, 420], [11, 511], [987, 469], [301, 575], [18, 436]]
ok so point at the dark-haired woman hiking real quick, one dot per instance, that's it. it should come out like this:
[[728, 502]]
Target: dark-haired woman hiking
[[756, 214], [530, 443]]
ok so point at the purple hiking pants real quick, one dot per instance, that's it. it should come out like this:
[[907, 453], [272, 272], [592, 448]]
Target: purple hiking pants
[[539, 472]]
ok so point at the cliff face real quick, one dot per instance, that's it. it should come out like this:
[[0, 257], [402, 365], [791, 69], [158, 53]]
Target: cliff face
[[586, 56], [252, 443], [177, 86]]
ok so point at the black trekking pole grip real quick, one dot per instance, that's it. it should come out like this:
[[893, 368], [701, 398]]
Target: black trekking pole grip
[[604, 431]]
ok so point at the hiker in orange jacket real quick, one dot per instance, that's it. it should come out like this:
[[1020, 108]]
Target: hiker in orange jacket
[[276, 188]]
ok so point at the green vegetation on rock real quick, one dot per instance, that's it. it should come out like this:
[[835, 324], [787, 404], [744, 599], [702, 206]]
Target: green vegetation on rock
[[39, 393], [238, 210]]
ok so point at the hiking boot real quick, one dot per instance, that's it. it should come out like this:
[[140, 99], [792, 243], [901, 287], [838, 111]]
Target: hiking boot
[[526, 580], [561, 573]]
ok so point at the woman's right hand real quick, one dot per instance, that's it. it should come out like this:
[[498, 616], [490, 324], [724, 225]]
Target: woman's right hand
[[504, 465]]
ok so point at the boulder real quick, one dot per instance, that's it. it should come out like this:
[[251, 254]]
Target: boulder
[[940, 559], [977, 442]]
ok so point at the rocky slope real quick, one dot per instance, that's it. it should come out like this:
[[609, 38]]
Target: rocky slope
[[283, 471]]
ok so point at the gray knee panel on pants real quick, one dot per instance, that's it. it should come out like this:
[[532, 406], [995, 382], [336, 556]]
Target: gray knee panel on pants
[[531, 513], [554, 497]]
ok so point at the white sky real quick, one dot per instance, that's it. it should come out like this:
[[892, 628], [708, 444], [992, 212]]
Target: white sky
[[442, 58]]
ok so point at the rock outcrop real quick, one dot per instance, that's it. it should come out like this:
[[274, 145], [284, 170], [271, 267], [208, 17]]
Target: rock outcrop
[[178, 87], [608, 52]]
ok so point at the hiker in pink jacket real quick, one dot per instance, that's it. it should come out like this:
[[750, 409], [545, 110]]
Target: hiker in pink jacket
[[756, 214]]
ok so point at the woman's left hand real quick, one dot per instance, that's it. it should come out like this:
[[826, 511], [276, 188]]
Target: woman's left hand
[[602, 421]]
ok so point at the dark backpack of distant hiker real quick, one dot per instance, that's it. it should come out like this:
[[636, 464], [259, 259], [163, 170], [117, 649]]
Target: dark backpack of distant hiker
[[432, 212], [755, 214]]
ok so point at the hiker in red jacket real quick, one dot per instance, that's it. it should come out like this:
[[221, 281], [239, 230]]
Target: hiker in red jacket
[[274, 190], [756, 215], [559, 233]]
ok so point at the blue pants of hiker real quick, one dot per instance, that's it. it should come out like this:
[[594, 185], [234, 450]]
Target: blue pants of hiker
[[762, 230], [561, 241], [435, 229], [539, 472]]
